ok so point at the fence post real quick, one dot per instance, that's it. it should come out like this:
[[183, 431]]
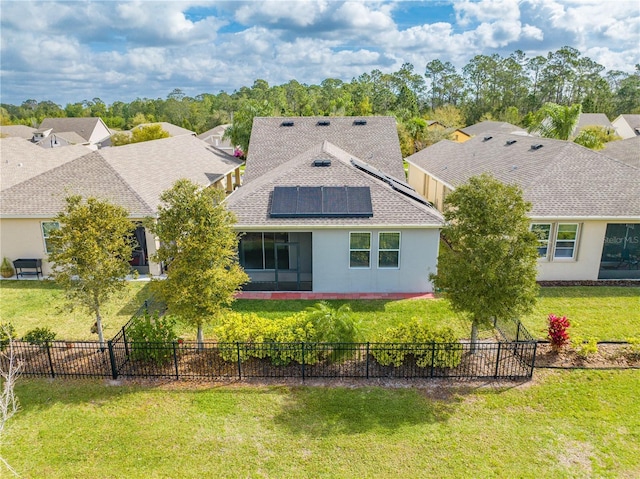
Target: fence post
[[433, 357], [497, 361], [175, 360], [302, 344], [533, 358], [53, 373], [239, 366], [518, 332], [124, 340], [367, 360], [112, 359]]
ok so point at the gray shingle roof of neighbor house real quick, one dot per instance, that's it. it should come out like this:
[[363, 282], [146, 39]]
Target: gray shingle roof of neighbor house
[[20, 159], [592, 119], [133, 176], [560, 178], [373, 139], [252, 202], [70, 137], [491, 126], [627, 151], [20, 131], [82, 126]]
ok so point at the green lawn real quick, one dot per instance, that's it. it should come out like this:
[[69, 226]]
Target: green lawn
[[563, 424], [608, 313], [31, 304]]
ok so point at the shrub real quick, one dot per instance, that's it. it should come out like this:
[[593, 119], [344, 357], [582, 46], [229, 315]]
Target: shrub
[[585, 348], [558, 331], [151, 338], [39, 336], [7, 332], [427, 346], [632, 350]]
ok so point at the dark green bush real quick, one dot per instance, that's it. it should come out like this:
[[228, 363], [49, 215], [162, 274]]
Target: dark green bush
[[151, 338], [7, 332], [428, 346], [39, 336]]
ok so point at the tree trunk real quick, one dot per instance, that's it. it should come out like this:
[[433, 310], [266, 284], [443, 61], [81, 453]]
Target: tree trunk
[[474, 336], [200, 338], [99, 328]]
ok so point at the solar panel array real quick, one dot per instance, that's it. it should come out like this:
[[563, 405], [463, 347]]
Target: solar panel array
[[321, 201]]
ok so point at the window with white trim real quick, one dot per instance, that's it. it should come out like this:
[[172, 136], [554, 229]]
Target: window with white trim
[[47, 227], [542, 231], [359, 250], [566, 240], [389, 250]]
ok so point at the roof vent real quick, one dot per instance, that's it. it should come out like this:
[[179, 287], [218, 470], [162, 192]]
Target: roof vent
[[511, 142], [286, 123], [359, 122], [487, 138], [324, 123], [537, 146], [321, 162]]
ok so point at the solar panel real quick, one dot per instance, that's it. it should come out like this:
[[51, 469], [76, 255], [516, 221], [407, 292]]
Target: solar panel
[[319, 201], [410, 192]]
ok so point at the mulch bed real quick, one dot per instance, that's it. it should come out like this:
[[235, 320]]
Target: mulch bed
[[609, 356]]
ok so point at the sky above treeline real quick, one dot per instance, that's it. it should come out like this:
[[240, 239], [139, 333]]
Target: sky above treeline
[[72, 51]]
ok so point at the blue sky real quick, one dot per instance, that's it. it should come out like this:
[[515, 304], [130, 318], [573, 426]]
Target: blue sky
[[71, 51]]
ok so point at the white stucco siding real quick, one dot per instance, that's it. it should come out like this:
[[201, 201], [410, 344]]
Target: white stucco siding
[[587, 262], [332, 274], [22, 238]]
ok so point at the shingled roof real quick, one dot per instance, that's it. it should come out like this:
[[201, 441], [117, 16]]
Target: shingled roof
[[82, 126], [22, 159], [251, 203], [133, 176], [489, 126], [560, 178], [627, 151], [275, 140]]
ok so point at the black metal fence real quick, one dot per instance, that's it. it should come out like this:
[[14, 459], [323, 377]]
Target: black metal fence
[[224, 361], [512, 357]]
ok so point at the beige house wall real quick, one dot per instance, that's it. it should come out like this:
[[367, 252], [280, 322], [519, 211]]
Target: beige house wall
[[623, 129], [22, 238], [433, 190]]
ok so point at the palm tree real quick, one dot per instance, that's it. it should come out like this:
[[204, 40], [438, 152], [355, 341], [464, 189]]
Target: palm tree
[[556, 121]]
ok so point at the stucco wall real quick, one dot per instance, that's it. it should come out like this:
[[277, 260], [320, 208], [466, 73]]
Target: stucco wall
[[331, 272], [22, 238], [623, 129]]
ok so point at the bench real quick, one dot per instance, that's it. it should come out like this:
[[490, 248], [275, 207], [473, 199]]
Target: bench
[[34, 264]]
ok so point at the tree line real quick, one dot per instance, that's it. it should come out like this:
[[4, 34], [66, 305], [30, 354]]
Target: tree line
[[506, 88]]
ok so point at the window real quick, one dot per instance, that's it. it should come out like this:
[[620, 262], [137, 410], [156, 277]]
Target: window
[[258, 251], [543, 233], [47, 227], [359, 250], [566, 239], [388, 250]]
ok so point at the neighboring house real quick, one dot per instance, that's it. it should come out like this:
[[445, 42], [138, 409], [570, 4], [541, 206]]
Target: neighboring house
[[315, 216], [274, 141], [592, 119], [133, 176], [170, 128], [18, 131], [85, 131], [485, 128], [585, 205], [214, 137], [627, 151], [627, 126]]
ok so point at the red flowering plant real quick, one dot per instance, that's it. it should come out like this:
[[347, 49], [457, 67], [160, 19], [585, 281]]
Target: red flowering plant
[[558, 331]]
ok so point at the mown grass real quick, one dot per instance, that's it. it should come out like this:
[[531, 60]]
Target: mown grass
[[36, 304], [564, 424], [608, 313]]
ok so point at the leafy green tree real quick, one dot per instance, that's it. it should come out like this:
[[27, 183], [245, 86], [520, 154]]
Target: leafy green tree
[[595, 137], [139, 134], [199, 248], [91, 252], [488, 268], [240, 131], [556, 121]]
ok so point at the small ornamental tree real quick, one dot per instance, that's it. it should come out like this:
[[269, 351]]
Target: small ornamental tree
[[91, 252], [558, 331], [489, 264], [199, 248]]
